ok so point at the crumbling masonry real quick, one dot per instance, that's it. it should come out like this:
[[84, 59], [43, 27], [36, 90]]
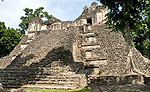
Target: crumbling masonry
[[69, 54]]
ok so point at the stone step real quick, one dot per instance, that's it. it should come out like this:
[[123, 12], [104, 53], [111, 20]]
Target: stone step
[[41, 82], [59, 76], [40, 79], [13, 77], [13, 71], [62, 77], [49, 87], [97, 59], [36, 73], [29, 40], [25, 43], [48, 79], [30, 74], [90, 47], [36, 80], [84, 44], [94, 63], [3, 79], [90, 34], [54, 82], [34, 68], [12, 83], [11, 86]]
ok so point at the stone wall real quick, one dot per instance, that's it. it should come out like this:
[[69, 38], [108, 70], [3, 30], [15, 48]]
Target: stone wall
[[17, 49], [114, 80], [141, 63], [113, 83], [95, 12], [93, 15], [5, 61], [65, 25], [35, 24]]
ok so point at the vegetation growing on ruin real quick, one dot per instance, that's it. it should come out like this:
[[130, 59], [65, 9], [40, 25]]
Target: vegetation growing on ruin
[[85, 7]]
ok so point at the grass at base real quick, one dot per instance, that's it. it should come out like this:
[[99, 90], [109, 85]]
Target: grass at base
[[135, 91]]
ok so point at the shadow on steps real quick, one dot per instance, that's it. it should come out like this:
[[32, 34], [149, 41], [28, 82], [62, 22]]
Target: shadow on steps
[[57, 61]]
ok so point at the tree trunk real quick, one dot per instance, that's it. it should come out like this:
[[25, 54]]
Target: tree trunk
[[128, 38], [130, 64]]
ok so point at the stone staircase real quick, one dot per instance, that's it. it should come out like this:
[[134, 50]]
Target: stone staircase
[[89, 45], [61, 81], [13, 78], [38, 75], [41, 77]]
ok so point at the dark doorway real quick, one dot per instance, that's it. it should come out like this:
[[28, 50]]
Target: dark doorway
[[89, 21]]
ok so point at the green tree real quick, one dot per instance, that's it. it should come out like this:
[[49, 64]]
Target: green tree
[[85, 7], [141, 38], [142, 35], [2, 28], [29, 14], [126, 16], [9, 38]]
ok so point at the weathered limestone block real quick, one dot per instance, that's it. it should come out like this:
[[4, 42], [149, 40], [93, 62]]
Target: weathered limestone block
[[1, 88], [43, 27], [23, 46]]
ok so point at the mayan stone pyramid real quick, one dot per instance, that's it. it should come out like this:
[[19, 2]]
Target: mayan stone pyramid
[[60, 54]]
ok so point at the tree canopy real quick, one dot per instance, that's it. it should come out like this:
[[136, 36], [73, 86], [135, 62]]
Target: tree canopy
[[9, 38], [29, 14]]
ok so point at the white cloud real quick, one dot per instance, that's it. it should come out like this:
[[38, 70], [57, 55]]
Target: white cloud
[[12, 10]]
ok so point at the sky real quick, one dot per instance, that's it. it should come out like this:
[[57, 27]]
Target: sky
[[66, 10]]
